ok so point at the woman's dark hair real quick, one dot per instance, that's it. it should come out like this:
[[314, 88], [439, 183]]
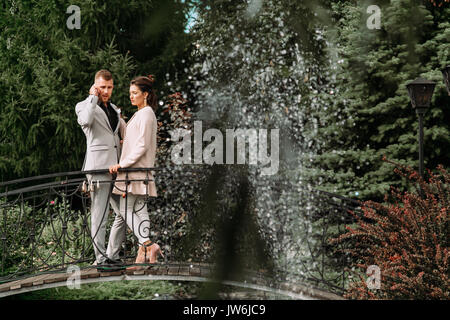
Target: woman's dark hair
[[145, 84]]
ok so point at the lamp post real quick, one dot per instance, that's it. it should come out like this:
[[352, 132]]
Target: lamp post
[[420, 92], [446, 74]]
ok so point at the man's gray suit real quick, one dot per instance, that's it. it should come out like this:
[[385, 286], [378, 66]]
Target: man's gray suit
[[102, 150]]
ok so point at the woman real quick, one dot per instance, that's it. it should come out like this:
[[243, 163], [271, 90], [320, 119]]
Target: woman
[[138, 151]]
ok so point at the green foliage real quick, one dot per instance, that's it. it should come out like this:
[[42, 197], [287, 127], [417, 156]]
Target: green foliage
[[47, 68], [64, 236], [370, 115], [44, 237], [14, 252], [352, 83], [117, 290]]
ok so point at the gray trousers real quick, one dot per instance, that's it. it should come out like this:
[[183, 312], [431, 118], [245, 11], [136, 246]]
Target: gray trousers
[[99, 216], [133, 211]]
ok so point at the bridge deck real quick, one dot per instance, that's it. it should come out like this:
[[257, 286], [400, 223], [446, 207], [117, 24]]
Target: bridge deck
[[200, 272]]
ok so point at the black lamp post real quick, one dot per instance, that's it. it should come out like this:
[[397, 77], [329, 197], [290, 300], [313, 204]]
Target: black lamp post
[[446, 74], [420, 92]]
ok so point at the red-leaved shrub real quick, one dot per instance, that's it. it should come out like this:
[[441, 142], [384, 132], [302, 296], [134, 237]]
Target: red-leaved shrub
[[438, 3], [407, 238]]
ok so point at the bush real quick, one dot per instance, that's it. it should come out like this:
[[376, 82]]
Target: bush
[[407, 239], [38, 238]]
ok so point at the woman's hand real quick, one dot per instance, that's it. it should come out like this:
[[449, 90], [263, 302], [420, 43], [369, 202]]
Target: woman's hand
[[114, 168]]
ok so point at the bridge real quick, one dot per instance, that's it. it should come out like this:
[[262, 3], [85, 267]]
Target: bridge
[[196, 272], [44, 230]]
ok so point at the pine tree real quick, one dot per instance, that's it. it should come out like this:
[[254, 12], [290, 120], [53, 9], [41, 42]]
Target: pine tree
[[370, 115], [46, 68]]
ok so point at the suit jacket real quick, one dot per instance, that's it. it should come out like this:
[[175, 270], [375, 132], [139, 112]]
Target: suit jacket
[[102, 142], [139, 151]]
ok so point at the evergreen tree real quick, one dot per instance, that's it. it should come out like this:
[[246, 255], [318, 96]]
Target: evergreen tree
[[46, 68], [369, 113]]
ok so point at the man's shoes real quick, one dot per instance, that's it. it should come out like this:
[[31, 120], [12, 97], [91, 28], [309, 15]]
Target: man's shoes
[[110, 265], [114, 262]]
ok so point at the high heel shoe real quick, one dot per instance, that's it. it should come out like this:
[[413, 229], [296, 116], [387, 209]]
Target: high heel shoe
[[152, 253], [141, 257]]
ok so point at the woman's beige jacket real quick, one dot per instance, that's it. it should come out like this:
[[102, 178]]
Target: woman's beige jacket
[[139, 151]]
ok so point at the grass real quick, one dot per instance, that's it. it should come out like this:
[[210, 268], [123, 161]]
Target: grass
[[114, 290], [146, 290]]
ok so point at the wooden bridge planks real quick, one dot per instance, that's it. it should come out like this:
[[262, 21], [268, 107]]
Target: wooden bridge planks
[[184, 271], [172, 269], [89, 273], [195, 270]]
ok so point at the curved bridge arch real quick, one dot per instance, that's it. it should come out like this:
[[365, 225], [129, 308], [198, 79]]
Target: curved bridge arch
[[44, 214], [166, 272]]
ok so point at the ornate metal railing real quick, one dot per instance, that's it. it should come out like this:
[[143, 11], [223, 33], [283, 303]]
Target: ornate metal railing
[[44, 224], [44, 220]]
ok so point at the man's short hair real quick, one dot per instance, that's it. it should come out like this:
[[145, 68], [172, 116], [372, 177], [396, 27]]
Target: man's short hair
[[105, 74]]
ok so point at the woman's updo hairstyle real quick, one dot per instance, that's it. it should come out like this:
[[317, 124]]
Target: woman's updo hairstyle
[[145, 84]]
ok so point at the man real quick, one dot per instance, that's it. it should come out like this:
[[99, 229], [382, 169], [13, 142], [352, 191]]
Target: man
[[102, 124]]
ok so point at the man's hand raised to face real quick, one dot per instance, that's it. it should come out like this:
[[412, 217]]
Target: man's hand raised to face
[[93, 90]]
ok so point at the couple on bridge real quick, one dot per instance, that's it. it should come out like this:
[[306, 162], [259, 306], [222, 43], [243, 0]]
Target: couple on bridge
[[113, 144]]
